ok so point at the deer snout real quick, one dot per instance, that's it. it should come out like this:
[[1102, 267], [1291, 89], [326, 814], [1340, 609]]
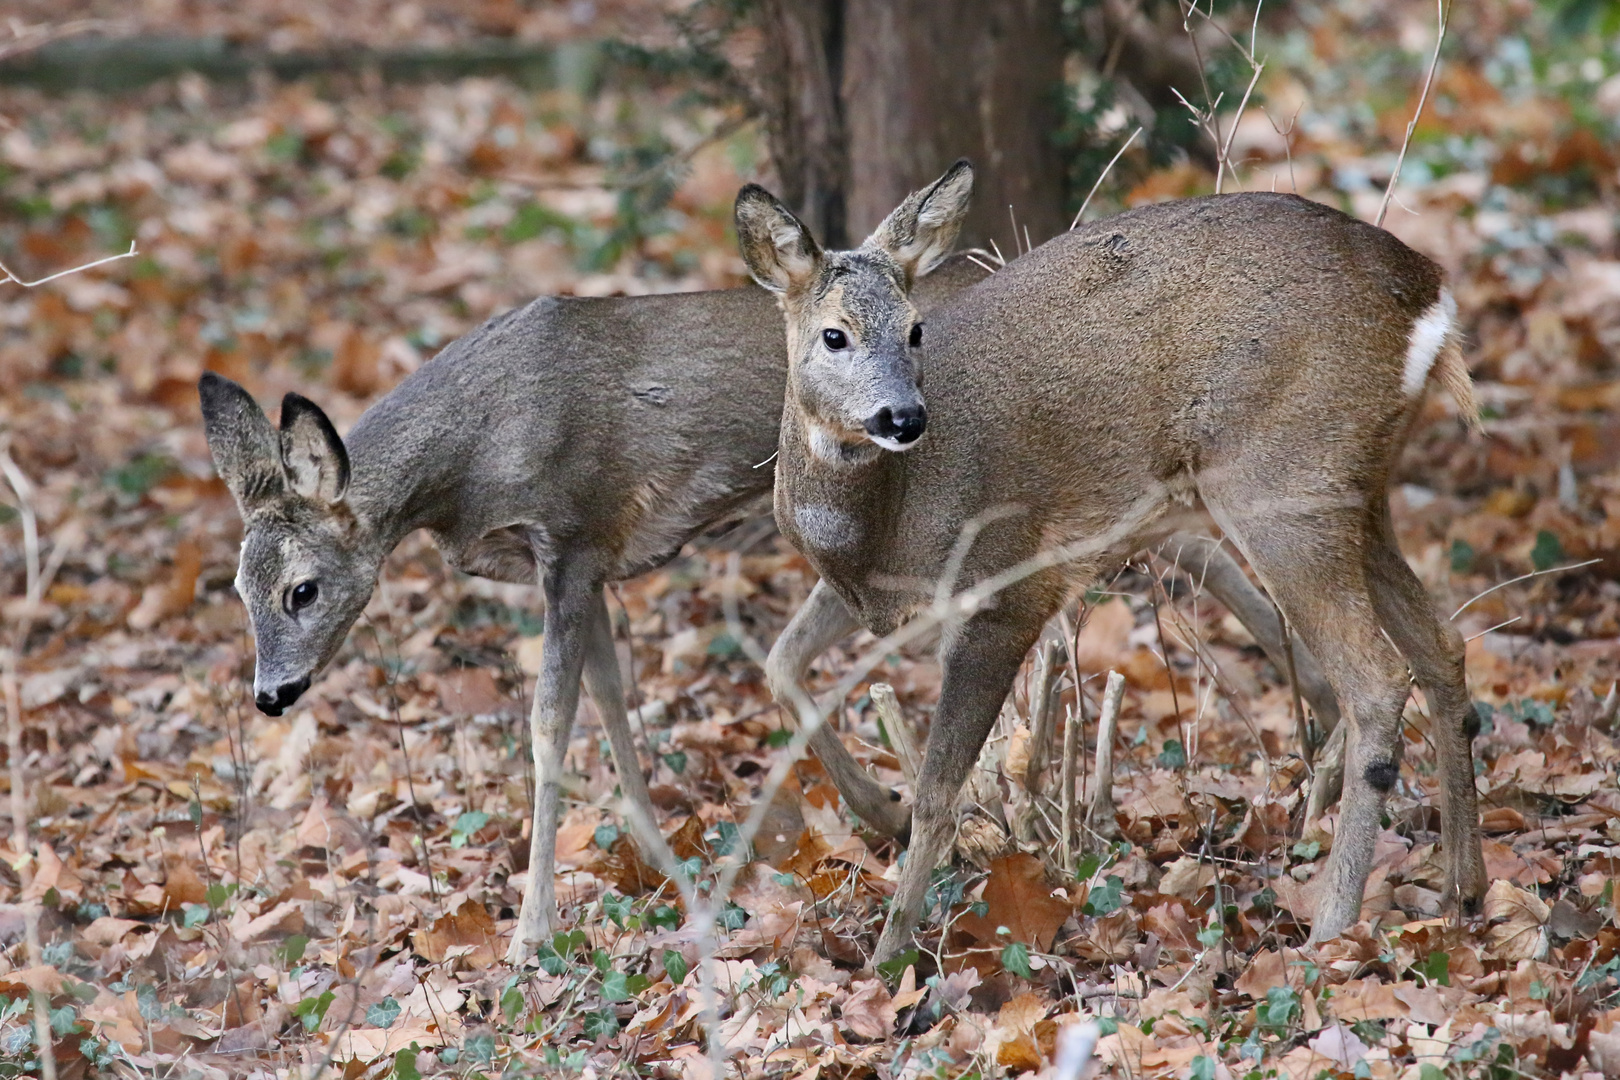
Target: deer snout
[[897, 428], [274, 704]]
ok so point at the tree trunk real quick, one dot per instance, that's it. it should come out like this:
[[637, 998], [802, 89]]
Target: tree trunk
[[919, 84], [799, 73]]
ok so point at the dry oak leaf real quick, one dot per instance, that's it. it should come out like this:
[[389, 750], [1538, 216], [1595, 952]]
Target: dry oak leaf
[[869, 1011], [1019, 899], [1366, 999], [1518, 921], [1530, 868], [1012, 1039], [470, 925], [1267, 969]]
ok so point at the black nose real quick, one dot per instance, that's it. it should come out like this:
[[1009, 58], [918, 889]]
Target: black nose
[[904, 425], [277, 703]]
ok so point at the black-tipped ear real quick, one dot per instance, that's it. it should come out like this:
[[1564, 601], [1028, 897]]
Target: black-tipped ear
[[316, 462], [780, 252], [921, 231], [244, 445]]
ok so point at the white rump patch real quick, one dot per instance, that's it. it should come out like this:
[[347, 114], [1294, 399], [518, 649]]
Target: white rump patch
[[826, 528], [1428, 337]]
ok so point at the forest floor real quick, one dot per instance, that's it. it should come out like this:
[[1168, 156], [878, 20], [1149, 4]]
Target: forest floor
[[222, 893]]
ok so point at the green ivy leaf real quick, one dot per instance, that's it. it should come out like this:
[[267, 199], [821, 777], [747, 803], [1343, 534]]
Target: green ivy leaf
[[675, 966], [405, 1064], [481, 1048], [1105, 898], [616, 908], [605, 835], [292, 950], [512, 1001], [383, 1014], [1174, 755], [614, 987], [1437, 968], [1015, 958], [1203, 1068], [601, 1025], [312, 1010], [895, 966], [1548, 551]]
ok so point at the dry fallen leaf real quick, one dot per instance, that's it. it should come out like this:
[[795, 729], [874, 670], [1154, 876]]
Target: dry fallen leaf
[[1517, 920], [1021, 907]]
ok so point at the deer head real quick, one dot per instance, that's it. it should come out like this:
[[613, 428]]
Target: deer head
[[308, 564], [854, 339]]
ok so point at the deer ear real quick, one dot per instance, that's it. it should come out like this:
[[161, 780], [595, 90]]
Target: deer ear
[[316, 462], [780, 252], [921, 231], [242, 441]]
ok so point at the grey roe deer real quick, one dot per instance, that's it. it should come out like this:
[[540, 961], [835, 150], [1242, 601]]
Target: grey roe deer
[[1259, 354], [573, 441]]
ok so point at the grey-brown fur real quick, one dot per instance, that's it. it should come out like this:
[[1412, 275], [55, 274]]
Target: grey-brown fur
[[1244, 352], [573, 441]]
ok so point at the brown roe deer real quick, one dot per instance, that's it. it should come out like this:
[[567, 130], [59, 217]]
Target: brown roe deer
[[1259, 355]]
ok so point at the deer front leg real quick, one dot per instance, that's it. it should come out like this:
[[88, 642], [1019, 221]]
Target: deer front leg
[[551, 720], [980, 662], [602, 679], [821, 621]]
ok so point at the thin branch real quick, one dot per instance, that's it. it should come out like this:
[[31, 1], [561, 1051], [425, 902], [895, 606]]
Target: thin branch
[[25, 39], [1521, 577], [1103, 176], [23, 488], [9, 276], [1444, 9]]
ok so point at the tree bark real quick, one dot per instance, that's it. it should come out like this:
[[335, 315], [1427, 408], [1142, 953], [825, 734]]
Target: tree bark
[[867, 100], [798, 87]]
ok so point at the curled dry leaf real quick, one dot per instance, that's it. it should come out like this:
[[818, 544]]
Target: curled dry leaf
[[1518, 920], [869, 1011]]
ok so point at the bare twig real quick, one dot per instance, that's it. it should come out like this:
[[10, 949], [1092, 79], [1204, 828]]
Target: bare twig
[[24, 490], [14, 751], [9, 276], [1041, 713], [1072, 744], [1302, 723], [1080, 213], [1443, 7], [900, 735], [42, 1015], [25, 38], [1522, 577], [1100, 814]]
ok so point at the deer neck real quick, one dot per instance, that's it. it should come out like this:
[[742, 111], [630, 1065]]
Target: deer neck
[[408, 473], [839, 504]]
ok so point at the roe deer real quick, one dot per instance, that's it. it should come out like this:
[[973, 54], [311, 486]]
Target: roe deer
[[1260, 354], [577, 441]]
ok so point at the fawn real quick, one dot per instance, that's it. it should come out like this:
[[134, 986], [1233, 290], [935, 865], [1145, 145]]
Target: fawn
[[1259, 355]]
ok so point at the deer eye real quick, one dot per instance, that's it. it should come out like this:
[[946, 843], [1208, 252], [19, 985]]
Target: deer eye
[[835, 340], [916, 335], [303, 594]]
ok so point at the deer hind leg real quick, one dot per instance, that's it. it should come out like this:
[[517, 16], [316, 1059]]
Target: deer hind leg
[[980, 662], [1308, 553], [816, 626], [1434, 648], [606, 685]]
